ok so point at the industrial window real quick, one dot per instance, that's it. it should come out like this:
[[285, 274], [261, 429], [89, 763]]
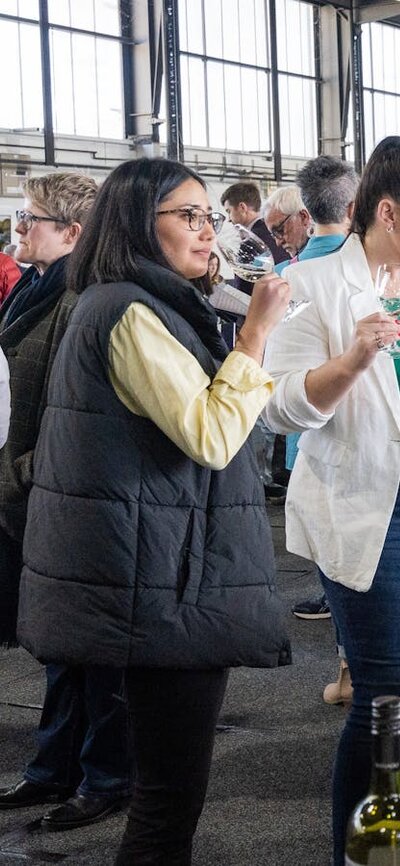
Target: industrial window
[[225, 65], [85, 67], [381, 82]]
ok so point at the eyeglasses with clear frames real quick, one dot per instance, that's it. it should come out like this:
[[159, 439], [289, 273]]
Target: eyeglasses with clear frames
[[196, 217], [278, 231], [27, 218]]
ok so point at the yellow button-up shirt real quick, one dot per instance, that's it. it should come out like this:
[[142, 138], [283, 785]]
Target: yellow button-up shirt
[[157, 378]]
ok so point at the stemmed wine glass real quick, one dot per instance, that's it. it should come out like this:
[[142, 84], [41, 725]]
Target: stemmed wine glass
[[250, 258], [387, 287]]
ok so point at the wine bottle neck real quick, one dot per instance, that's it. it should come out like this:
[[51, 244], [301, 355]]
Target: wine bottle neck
[[386, 764]]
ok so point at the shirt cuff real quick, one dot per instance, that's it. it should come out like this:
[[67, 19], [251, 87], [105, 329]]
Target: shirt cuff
[[243, 373], [300, 407]]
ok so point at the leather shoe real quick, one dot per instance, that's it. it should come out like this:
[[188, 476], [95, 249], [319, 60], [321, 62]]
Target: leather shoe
[[81, 810], [26, 793]]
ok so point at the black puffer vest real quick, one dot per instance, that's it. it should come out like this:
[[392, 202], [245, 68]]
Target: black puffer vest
[[135, 554]]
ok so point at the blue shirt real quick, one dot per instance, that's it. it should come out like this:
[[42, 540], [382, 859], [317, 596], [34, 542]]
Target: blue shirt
[[314, 248]]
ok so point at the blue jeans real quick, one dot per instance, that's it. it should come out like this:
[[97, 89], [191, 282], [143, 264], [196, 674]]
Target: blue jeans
[[84, 733], [369, 628]]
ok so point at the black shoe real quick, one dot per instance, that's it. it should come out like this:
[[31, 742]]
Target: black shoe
[[312, 608], [275, 494], [26, 793], [81, 810]]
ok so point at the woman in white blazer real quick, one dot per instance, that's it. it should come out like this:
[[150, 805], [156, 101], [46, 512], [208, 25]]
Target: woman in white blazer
[[343, 510]]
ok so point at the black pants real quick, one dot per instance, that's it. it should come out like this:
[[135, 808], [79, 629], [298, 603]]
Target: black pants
[[173, 719], [10, 572]]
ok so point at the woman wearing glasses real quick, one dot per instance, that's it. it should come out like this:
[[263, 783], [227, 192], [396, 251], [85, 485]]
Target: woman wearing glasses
[[149, 525]]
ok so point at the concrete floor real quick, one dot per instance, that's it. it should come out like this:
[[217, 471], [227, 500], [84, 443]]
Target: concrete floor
[[268, 801]]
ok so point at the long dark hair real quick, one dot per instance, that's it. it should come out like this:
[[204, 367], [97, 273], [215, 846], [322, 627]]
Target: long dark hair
[[122, 222], [380, 178]]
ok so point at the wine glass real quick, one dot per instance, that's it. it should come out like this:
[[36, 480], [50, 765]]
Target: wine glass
[[250, 258], [387, 287]]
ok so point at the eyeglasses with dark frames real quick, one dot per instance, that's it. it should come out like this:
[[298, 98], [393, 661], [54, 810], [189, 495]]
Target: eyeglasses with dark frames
[[278, 231], [196, 217], [27, 218]]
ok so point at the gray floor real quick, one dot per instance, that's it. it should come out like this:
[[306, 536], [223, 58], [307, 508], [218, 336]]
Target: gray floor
[[268, 801]]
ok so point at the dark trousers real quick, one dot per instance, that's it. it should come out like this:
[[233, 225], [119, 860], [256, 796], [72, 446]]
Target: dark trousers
[[84, 732], [369, 630], [173, 717], [10, 571]]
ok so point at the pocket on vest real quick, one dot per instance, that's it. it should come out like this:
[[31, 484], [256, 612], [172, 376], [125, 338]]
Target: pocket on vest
[[191, 560]]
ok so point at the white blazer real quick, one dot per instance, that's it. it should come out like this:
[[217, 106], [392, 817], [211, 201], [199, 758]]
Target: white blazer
[[5, 407], [345, 480]]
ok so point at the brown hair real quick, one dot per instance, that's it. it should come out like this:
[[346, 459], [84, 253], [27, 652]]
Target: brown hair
[[246, 191]]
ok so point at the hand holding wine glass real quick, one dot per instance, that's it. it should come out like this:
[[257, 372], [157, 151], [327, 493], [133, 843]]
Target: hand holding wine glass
[[387, 287], [250, 258]]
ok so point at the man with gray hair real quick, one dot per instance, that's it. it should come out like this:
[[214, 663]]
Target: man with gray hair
[[288, 220]]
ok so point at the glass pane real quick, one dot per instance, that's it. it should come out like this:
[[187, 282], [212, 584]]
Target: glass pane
[[378, 74], [193, 25], [101, 16], [247, 31], [109, 77], [106, 14], [298, 117], [62, 82], [9, 7], [233, 108], [251, 133], [264, 111], [369, 124], [28, 9], [295, 36], [85, 98], [230, 29], [389, 53], [193, 102], [182, 20], [216, 105], [32, 104], [21, 8], [59, 12], [198, 126], [11, 97], [21, 99], [185, 101], [366, 56], [349, 138], [82, 14], [213, 27], [262, 49], [307, 40], [309, 104]]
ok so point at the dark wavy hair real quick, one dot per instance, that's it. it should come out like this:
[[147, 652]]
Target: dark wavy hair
[[122, 223], [380, 178]]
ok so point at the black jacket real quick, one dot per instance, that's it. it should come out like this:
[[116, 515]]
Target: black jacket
[[135, 554]]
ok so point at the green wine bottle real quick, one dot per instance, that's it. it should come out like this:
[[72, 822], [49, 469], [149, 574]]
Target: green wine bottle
[[373, 833]]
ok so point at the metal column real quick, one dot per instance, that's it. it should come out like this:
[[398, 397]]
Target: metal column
[[173, 91]]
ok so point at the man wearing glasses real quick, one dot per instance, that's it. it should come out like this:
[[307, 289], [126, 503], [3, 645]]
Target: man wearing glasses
[[288, 220]]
